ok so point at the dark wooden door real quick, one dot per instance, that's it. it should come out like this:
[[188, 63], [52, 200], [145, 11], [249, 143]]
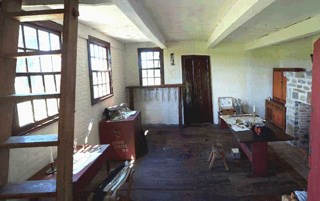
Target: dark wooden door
[[197, 99]]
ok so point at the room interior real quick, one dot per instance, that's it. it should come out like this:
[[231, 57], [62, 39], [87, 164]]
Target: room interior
[[243, 41]]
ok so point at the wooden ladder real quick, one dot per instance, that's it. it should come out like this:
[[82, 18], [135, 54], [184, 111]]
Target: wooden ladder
[[10, 17]]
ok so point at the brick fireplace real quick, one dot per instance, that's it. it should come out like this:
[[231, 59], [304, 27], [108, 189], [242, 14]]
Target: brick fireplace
[[298, 107]]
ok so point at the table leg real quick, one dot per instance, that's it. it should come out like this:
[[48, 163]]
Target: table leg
[[259, 158]]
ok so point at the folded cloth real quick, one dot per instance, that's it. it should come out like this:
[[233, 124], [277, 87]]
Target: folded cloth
[[301, 195]]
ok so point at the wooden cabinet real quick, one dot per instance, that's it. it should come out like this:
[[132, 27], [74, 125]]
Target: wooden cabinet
[[276, 114], [123, 136], [275, 108], [279, 88]]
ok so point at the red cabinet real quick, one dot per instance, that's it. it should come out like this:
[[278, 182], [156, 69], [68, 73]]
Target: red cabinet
[[123, 137]]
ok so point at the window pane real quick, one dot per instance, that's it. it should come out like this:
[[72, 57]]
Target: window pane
[[150, 64], [20, 44], [33, 64], [56, 63], [54, 42], [49, 83], [104, 90], [52, 106], [96, 51], [21, 65], [149, 55], [46, 63], [144, 64], [92, 50], [108, 89], [95, 92], [40, 111], [25, 114], [37, 84], [104, 79], [30, 35], [157, 81], [157, 73], [58, 80], [44, 42], [94, 78], [143, 56], [144, 73], [150, 73], [99, 78], [156, 55], [100, 90], [144, 81], [150, 81], [157, 63], [22, 85]]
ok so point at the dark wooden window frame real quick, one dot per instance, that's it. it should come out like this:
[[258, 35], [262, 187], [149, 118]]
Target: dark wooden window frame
[[140, 50], [106, 45], [50, 27]]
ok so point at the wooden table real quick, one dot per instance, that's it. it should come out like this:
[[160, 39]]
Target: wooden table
[[256, 148], [83, 177]]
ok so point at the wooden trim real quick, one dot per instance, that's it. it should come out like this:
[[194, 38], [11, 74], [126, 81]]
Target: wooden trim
[[33, 54], [67, 101], [180, 106], [156, 86], [183, 60], [140, 50], [106, 45], [289, 69], [37, 15], [31, 141]]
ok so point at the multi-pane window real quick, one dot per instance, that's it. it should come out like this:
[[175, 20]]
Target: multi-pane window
[[99, 69], [150, 66], [37, 75]]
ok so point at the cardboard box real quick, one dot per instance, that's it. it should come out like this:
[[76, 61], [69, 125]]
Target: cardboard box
[[226, 105]]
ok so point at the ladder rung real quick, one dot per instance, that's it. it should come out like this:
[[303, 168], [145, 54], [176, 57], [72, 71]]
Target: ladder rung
[[37, 15], [31, 141], [26, 97], [33, 54], [29, 189]]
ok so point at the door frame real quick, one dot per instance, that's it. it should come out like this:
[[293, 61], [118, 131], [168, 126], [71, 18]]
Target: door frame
[[183, 59]]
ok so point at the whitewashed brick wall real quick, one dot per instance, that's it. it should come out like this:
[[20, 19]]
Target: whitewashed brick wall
[[26, 162]]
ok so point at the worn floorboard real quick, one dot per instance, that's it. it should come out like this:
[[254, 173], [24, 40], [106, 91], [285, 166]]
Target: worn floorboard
[[176, 169]]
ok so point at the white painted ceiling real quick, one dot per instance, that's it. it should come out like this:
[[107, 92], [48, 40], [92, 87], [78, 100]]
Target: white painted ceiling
[[178, 20]]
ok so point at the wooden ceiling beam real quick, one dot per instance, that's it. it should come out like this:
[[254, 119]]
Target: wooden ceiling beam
[[240, 13], [139, 16], [296, 31]]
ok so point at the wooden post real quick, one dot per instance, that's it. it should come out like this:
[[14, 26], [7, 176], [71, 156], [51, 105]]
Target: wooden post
[[180, 106], [9, 34], [67, 101], [131, 98]]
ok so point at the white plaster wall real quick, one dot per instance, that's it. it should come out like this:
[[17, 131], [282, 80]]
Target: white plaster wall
[[234, 72], [26, 162]]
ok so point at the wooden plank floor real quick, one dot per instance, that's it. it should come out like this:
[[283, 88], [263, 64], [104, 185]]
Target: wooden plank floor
[[176, 168]]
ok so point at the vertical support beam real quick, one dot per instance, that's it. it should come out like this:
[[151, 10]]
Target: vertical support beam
[[9, 35], [314, 174], [180, 106], [131, 98], [67, 101]]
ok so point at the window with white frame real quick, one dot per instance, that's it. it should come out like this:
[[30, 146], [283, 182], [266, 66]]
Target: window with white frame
[[36, 75], [100, 72], [150, 66]]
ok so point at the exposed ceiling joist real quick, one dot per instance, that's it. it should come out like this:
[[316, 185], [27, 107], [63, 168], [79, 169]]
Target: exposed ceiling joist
[[299, 30], [53, 2], [241, 12], [136, 12]]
